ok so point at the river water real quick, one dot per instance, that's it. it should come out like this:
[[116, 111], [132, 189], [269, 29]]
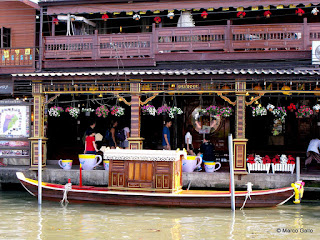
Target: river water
[[21, 218]]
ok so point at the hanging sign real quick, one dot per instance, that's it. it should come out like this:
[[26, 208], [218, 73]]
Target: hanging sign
[[6, 53], [6, 87], [188, 87], [27, 51]]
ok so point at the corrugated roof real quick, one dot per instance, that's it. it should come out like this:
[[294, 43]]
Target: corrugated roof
[[176, 72]]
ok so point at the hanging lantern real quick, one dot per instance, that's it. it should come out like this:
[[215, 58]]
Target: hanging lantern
[[204, 14], [267, 14], [157, 19], [315, 11], [286, 89], [105, 17], [170, 15], [317, 89], [257, 88], [241, 14], [225, 87], [136, 17], [55, 21], [299, 12]]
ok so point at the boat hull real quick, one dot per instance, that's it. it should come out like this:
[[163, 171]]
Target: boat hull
[[192, 198]]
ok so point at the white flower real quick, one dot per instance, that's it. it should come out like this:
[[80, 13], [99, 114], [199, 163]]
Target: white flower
[[316, 107], [270, 106], [258, 159], [152, 111], [283, 159]]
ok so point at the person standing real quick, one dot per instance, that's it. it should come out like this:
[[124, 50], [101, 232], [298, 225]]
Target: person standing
[[166, 135], [112, 140], [313, 151], [188, 140], [207, 149], [125, 142], [90, 145]]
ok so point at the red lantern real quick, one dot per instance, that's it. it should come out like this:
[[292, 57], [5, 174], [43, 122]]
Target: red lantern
[[55, 21], [105, 17], [157, 19], [267, 14], [204, 14], [300, 12], [241, 14]]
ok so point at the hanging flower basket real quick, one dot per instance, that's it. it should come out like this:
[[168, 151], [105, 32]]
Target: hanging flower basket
[[148, 110], [213, 110], [55, 111], [102, 111], [259, 111], [73, 111], [225, 111], [304, 112], [316, 108], [163, 109], [157, 19], [117, 111], [280, 113], [87, 111], [292, 107], [175, 111]]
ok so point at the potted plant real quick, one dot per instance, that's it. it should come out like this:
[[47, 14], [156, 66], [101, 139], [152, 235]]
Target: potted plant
[[102, 111], [226, 111], [283, 163], [87, 111], [280, 113], [213, 110], [55, 111], [148, 110], [304, 112], [316, 108], [163, 109], [259, 111], [117, 111], [175, 111], [258, 163], [73, 111]]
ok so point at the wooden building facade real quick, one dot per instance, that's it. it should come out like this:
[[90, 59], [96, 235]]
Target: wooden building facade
[[138, 52]]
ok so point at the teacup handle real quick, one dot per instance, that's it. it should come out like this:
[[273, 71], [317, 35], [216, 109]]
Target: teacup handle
[[200, 161], [217, 168], [100, 160], [60, 163]]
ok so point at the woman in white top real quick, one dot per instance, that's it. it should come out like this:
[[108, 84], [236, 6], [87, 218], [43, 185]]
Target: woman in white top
[[125, 143], [188, 140]]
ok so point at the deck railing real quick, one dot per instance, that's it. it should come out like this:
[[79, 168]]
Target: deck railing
[[17, 57], [228, 38]]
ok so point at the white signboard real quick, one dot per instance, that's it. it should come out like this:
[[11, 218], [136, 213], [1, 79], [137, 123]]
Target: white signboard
[[316, 52], [14, 121]]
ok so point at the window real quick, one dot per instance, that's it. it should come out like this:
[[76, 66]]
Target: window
[[5, 37]]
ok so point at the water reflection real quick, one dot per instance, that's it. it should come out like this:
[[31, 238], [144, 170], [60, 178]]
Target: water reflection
[[20, 218]]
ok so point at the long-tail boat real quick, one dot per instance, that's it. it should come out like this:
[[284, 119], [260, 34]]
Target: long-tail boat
[[153, 178]]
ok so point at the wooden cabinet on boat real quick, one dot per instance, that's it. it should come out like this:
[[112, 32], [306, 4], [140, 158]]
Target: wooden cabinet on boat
[[145, 170]]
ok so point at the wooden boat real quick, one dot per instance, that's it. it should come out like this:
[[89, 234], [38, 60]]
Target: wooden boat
[[140, 177]]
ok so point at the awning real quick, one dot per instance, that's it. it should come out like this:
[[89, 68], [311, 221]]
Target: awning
[[170, 5], [177, 72]]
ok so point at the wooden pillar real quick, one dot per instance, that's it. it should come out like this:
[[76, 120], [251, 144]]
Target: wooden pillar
[[38, 127], [135, 141], [240, 142]]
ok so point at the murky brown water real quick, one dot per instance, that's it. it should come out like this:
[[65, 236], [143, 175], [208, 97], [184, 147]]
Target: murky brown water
[[20, 218]]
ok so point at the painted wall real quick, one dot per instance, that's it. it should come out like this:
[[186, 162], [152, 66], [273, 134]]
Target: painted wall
[[21, 18]]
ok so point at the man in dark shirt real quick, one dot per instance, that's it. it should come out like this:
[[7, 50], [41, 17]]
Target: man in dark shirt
[[207, 149]]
